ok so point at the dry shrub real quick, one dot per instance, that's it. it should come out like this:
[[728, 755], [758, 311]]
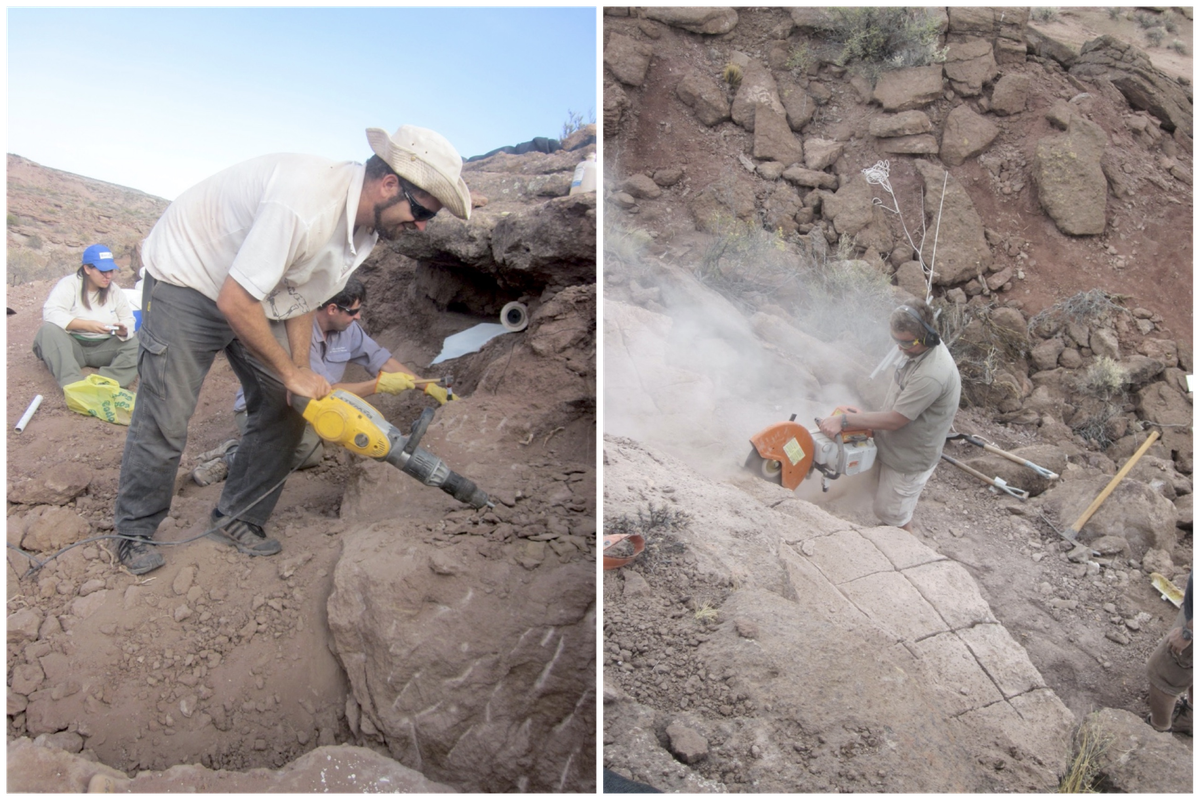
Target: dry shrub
[[875, 40], [1090, 308], [979, 346], [1104, 379], [1083, 776], [1045, 14]]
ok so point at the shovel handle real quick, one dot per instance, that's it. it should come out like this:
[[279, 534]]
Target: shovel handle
[[999, 483], [991, 448], [1073, 531]]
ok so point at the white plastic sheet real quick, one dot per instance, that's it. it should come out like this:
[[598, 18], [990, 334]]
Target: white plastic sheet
[[469, 341]]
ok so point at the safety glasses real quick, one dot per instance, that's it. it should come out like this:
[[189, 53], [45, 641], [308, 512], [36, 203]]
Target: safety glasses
[[905, 343], [354, 312], [418, 212]]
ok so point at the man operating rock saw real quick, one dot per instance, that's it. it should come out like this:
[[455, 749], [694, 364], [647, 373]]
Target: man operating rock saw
[[917, 414]]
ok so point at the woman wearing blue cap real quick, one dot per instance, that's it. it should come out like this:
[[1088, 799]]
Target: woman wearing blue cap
[[88, 323]]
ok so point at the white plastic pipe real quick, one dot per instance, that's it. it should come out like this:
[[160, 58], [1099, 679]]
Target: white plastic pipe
[[37, 401]]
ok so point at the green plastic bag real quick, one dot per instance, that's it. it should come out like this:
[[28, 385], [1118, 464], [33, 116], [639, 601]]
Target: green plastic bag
[[100, 397]]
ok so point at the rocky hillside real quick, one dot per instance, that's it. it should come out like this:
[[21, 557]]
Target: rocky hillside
[[53, 215], [1042, 195], [772, 195], [401, 641]]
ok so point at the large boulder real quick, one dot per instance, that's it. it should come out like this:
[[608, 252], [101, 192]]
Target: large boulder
[[50, 528], [1134, 511], [810, 178], [704, 96], [921, 144], [910, 279], [1003, 27], [812, 592], [962, 249], [820, 154], [906, 123], [1129, 69], [34, 767], [1071, 185], [555, 242], [627, 58], [1010, 94], [1138, 759], [773, 137], [1044, 44], [641, 186], [909, 88], [969, 65], [1140, 370], [966, 135], [696, 19], [809, 19], [851, 207], [467, 667], [799, 106], [781, 208], [56, 486], [1045, 355], [757, 88], [987, 22], [616, 102], [727, 197], [1164, 404]]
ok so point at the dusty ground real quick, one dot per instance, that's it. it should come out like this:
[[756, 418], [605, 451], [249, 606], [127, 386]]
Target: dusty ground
[[217, 658], [1062, 614]]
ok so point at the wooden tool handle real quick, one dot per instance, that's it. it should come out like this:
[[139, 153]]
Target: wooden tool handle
[[1120, 476]]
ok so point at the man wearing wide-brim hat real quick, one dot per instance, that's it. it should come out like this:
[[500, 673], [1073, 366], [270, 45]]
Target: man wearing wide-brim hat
[[238, 264]]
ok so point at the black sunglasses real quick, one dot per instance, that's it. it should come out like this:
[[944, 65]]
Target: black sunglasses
[[418, 212], [354, 312]]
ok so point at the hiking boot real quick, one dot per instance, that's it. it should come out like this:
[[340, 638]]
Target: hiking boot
[[212, 471], [1181, 718], [138, 555], [245, 536], [217, 451]]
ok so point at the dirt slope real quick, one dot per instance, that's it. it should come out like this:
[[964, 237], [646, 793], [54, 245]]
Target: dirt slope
[[229, 662]]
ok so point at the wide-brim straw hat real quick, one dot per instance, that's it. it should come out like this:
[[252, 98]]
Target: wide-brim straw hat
[[425, 159]]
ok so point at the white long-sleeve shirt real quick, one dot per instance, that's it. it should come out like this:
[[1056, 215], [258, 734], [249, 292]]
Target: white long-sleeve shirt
[[64, 305]]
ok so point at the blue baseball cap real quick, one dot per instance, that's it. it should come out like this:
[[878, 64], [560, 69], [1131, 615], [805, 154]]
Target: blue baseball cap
[[99, 257]]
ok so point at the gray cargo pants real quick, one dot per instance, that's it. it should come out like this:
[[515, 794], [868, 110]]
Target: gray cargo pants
[[66, 355], [182, 332]]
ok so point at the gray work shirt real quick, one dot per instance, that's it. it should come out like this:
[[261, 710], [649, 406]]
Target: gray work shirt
[[330, 353], [926, 390]]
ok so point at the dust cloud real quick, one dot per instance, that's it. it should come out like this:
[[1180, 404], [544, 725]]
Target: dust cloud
[[695, 378]]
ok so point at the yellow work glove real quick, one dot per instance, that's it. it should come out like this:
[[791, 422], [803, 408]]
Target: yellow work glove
[[394, 382], [437, 393]]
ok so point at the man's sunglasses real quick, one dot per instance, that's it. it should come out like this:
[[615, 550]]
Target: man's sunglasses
[[905, 342], [354, 312], [418, 212]]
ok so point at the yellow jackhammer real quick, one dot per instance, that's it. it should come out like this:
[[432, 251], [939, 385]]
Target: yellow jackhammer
[[346, 419]]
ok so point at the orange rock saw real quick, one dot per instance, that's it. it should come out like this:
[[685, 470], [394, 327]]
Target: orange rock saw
[[786, 453]]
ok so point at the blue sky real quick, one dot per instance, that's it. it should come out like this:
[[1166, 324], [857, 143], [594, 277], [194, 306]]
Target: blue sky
[[158, 99]]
